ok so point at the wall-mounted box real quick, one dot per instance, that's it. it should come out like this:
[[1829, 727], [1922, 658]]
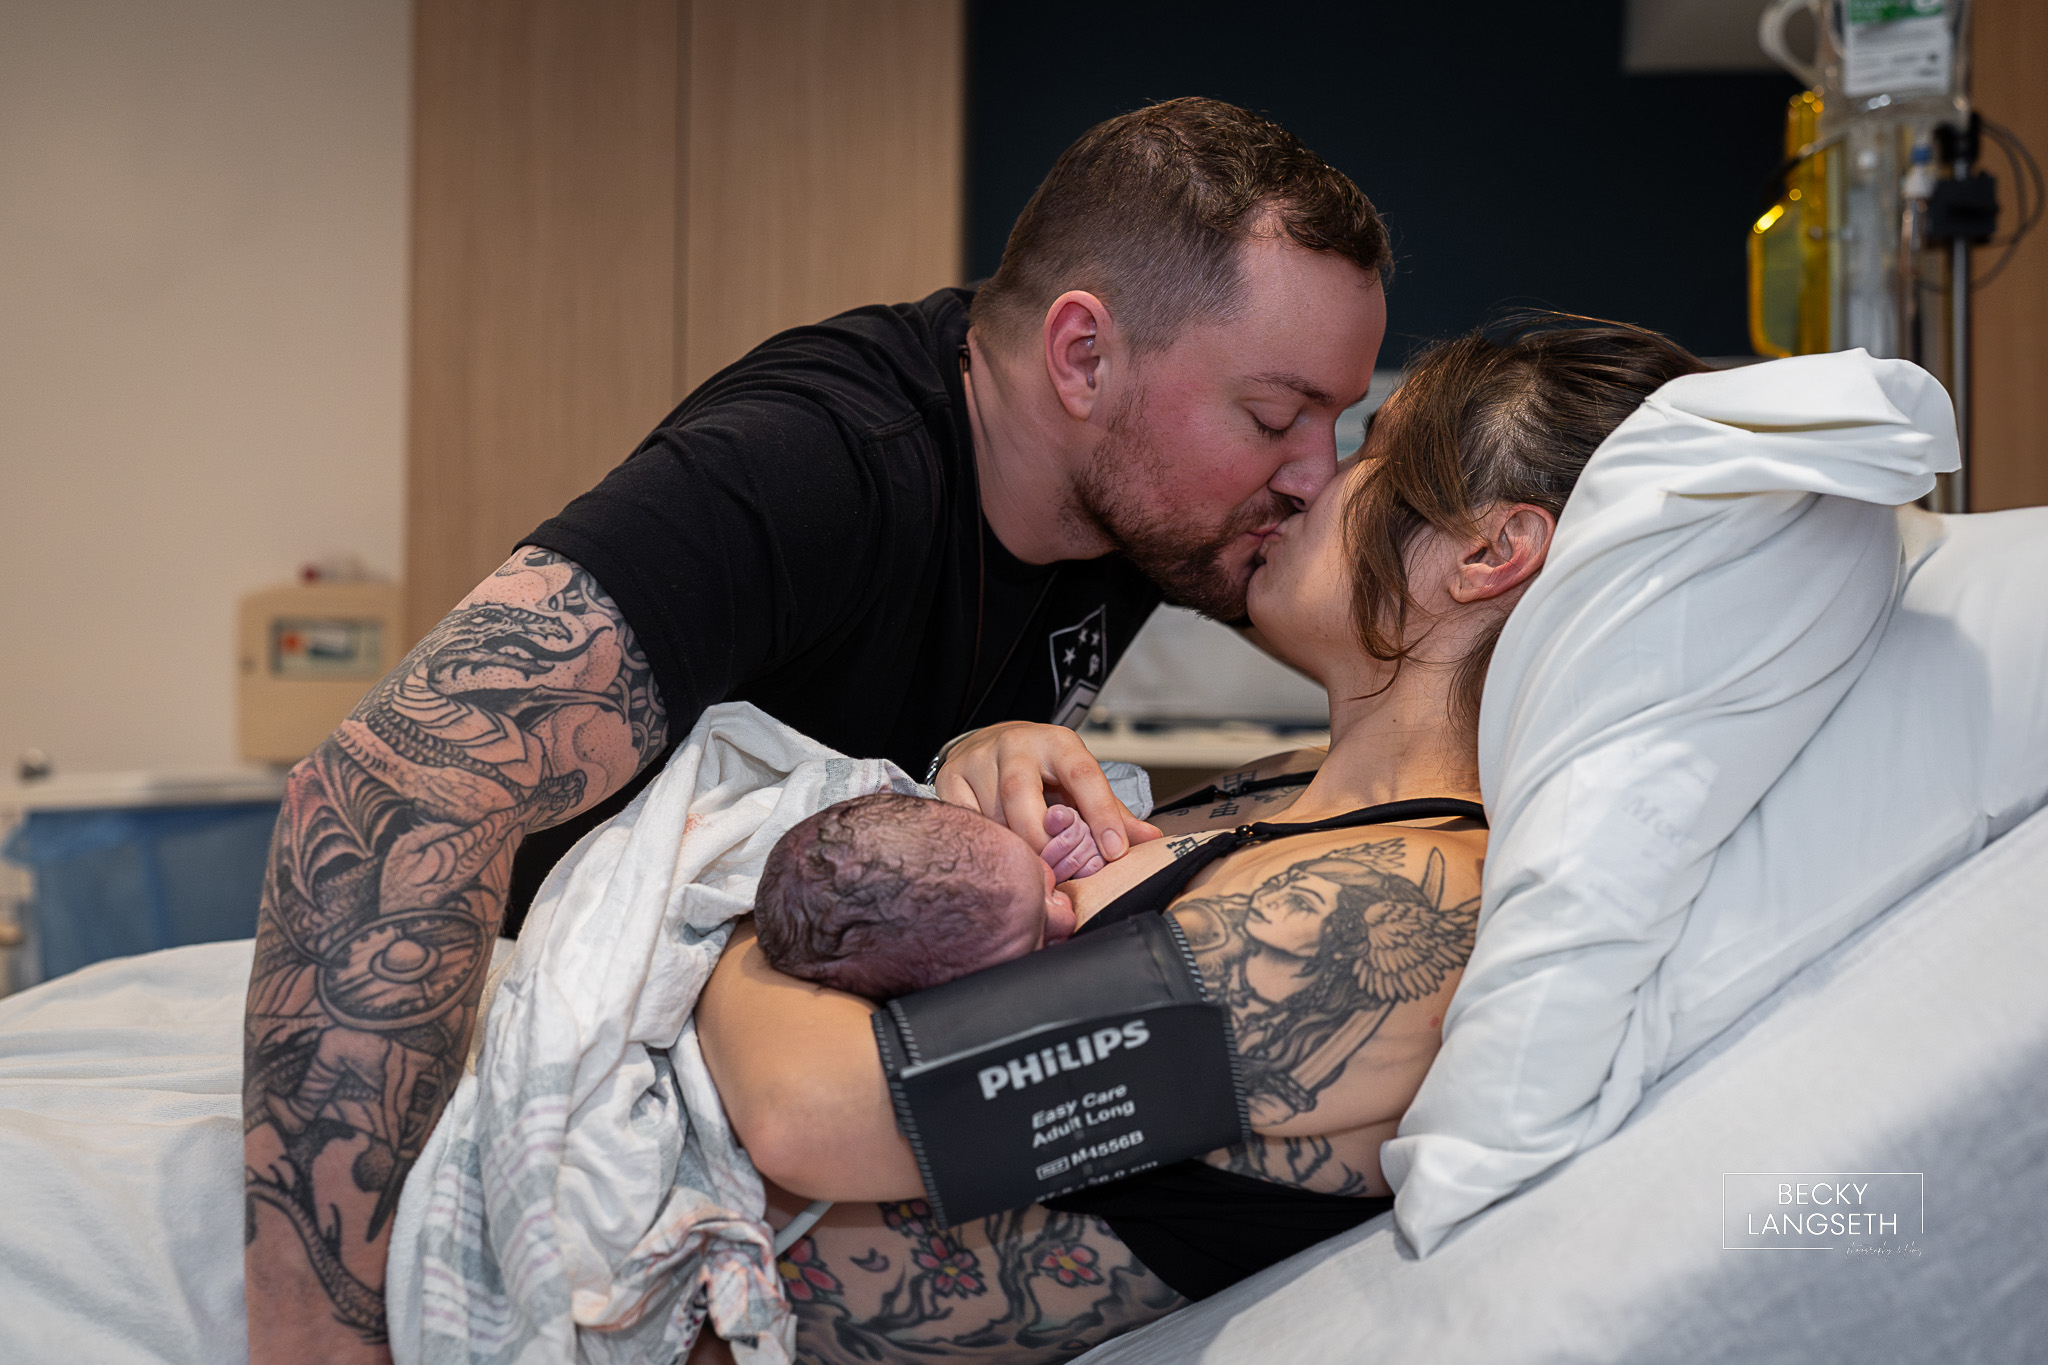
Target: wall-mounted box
[[307, 654]]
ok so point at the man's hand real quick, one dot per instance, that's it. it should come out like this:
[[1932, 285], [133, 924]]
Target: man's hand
[[386, 885], [1009, 771]]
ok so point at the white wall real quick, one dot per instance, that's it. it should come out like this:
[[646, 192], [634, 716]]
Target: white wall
[[202, 347]]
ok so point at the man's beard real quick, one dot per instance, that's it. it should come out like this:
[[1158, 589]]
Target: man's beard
[[1183, 558]]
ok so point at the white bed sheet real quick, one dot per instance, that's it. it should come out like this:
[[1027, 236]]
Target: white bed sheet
[[1921, 1044], [121, 1163]]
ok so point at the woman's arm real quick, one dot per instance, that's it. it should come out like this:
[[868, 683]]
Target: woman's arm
[[801, 1079], [1335, 953]]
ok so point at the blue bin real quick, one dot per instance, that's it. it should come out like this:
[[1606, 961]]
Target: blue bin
[[109, 883]]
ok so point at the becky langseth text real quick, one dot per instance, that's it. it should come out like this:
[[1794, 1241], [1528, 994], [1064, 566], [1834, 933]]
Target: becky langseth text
[[1811, 1221]]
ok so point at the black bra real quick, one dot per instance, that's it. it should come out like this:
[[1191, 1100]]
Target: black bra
[[1157, 891]]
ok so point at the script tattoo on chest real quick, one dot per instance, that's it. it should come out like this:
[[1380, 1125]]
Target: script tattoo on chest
[[385, 887], [1312, 961]]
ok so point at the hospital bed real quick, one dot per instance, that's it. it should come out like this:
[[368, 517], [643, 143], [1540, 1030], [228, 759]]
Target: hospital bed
[[1916, 1043], [1921, 1044]]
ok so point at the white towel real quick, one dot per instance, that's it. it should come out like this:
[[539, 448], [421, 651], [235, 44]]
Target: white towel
[[583, 1197]]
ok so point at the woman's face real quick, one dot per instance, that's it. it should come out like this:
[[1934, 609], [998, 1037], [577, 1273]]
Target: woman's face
[[1300, 596]]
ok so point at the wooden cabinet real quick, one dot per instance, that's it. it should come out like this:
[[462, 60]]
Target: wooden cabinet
[[2009, 344], [611, 201]]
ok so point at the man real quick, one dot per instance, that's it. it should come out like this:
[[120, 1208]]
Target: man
[[890, 528]]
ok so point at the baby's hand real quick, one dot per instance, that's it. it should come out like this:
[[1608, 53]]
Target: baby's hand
[[1072, 852]]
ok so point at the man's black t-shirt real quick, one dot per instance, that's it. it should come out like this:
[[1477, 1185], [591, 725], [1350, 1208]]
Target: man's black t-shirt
[[805, 533]]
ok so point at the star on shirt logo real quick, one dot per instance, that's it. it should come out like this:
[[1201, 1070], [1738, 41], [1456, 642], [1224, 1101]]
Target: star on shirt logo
[[1079, 655]]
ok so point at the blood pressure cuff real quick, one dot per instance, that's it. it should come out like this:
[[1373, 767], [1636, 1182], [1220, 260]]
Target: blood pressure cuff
[[1089, 1061]]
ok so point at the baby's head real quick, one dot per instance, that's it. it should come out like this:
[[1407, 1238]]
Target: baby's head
[[887, 894]]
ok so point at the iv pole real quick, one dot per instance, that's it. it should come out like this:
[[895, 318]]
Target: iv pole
[[1954, 490]]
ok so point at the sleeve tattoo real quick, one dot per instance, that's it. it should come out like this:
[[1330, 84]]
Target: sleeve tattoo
[[386, 883], [1310, 1162], [1028, 1285], [1313, 960]]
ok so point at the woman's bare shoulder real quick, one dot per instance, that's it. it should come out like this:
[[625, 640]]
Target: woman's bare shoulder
[[1336, 953]]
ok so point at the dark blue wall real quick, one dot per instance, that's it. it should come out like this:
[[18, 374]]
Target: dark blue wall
[[1514, 161]]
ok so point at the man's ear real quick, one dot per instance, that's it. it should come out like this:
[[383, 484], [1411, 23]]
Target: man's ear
[[1517, 542], [1080, 338]]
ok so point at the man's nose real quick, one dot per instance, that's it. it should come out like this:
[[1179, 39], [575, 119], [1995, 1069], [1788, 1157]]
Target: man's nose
[[1308, 471]]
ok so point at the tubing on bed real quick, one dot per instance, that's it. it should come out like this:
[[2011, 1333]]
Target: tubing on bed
[[1089, 1061]]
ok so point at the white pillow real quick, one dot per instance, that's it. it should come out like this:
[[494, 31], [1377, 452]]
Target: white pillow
[[1720, 577], [1940, 747]]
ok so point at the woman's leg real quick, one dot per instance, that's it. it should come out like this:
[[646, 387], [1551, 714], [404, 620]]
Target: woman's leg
[[878, 1283]]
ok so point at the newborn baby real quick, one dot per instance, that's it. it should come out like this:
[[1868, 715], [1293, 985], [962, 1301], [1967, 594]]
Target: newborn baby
[[888, 894]]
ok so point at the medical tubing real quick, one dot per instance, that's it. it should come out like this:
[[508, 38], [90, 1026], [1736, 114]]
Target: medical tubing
[[2028, 189], [794, 1230]]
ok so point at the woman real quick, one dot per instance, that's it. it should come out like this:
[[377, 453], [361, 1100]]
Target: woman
[[1336, 951]]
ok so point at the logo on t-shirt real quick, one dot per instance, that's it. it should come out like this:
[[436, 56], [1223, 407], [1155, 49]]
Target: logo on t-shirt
[[1080, 659]]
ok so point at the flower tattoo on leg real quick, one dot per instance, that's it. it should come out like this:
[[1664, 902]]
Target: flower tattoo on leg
[[1070, 1263], [804, 1277], [1030, 1284], [911, 1217], [954, 1270]]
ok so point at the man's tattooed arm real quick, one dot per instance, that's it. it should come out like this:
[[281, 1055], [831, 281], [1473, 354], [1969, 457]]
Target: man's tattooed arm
[[1313, 962], [386, 884]]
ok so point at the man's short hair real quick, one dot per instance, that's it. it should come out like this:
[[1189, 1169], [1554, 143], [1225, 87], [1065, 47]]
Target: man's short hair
[[881, 895], [1148, 210]]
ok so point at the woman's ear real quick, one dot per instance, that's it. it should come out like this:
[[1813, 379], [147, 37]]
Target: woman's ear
[[1517, 542], [1079, 339]]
